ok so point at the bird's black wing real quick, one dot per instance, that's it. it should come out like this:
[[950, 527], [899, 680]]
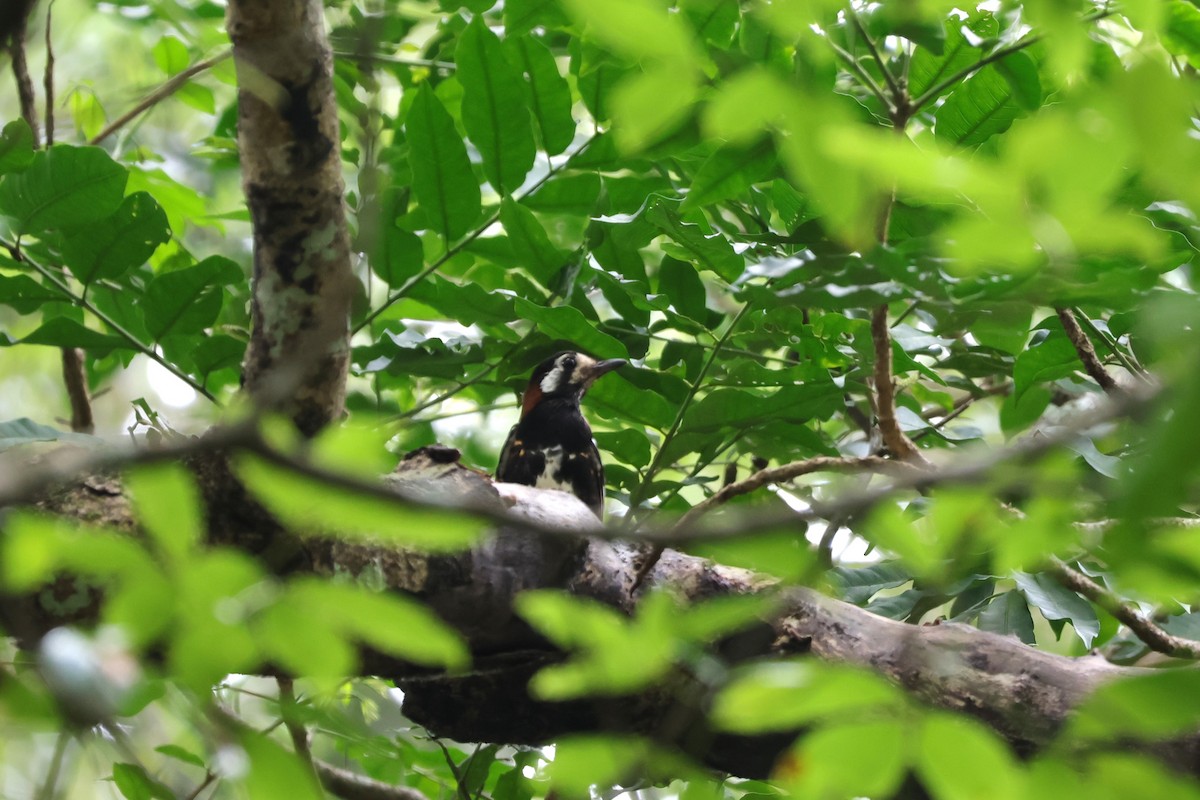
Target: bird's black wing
[[519, 464], [585, 471]]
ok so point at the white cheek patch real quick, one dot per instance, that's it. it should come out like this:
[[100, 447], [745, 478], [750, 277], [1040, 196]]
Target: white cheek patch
[[551, 381]]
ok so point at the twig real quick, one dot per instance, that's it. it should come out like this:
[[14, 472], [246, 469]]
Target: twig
[[295, 728], [209, 777], [168, 88], [786, 472], [20, 68], [1151, 634], [1128, 361], [348, 55], [894, 87], [1087, 353], [74, 373], [49, 787], [48, 78], [451, 252], [863, 76], [116, 327], [352, 786], [885, 408]]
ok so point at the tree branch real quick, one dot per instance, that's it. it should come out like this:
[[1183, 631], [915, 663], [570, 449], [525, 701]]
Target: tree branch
[[885, 391], [168, 88], [74, 373], [48, 77], [20, 68], [1087, 353], [1151, 634], [352, 786], [787, 472]]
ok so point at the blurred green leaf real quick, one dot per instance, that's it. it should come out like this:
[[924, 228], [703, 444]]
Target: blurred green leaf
[[16, 146], [958, 757]]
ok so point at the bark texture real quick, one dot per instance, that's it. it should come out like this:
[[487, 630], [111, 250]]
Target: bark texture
[[1022, 693], [291, 172]]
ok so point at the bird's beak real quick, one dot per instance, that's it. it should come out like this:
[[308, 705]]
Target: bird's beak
[[602, 367]]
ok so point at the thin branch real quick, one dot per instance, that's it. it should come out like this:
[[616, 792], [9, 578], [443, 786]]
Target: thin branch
[[1087, 353], [458, 247], [898, 98], [352, 786], [348, 55], [82, 302], [50, 786], [786, 472], [998, 55], [1151, 634], [863, 76], [897, 440], [1127, 361], [20, 68], [74, 372], [48, 77], [209, 777], [168, 88], [295, 728]]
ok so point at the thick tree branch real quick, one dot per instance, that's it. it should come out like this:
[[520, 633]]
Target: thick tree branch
[[290, 148], [1152, 635], [20, 68], [1087, 353]]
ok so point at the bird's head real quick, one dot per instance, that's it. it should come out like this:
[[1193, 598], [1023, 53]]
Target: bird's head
[[567, 374]]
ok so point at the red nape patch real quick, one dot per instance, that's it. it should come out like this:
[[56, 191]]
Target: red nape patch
[[533, 396]]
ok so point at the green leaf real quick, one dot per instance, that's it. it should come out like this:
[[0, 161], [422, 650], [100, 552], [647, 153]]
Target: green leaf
[[1057, 602], [566, 194], [522, 16], [63, 187], [678, 281], [1157, 705], [648, 107], [787, 695], [530, 243], [312, 506], [569, 324], [629, 445], [115, 245], [1051, 358], [1008, 614], [25, 294], [188, 300], [852, 759], [275, 773], [180, 754], [64, 332], [550, 95], [495, 108], [133, 783], [168, 508], [1182, 30], [710, 251], [17, 432], [171, 55], [729, 172], [929, 69], [958, 757], [985, 104], [638, 29], [398, 257], [16, 146], [443, 180]]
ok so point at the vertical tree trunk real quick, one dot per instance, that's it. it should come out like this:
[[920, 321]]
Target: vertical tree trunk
[[291, 171]]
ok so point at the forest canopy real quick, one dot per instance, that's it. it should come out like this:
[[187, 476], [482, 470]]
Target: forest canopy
[[901, 472]]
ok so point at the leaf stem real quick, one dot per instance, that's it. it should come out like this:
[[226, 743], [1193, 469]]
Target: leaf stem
[[863, 76], [893, 85]]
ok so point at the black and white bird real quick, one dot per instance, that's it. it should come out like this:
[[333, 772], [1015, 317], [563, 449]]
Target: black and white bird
[[551, 446]]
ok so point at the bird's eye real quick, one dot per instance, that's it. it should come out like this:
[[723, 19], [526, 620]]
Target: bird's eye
[[569, 362]]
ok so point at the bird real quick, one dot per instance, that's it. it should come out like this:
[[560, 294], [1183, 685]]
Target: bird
[[551, 446]]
